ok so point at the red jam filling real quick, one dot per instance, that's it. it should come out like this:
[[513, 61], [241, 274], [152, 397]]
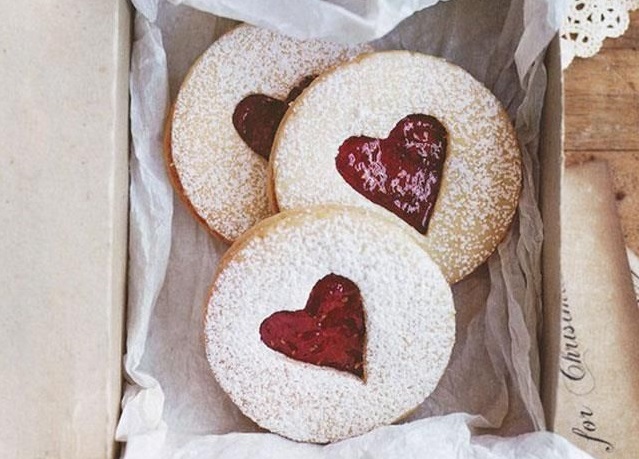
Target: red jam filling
[[402, 172], [329, 331], [257, 117]]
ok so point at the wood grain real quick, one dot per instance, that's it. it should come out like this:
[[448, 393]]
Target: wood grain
[[611, 72], [602, 119], [602, 101], [606, 122]]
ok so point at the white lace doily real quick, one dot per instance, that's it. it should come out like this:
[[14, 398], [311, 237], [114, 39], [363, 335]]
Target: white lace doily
[[589, 22]]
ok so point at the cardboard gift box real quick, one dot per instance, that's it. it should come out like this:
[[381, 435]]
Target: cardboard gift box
[[63, 250], [64, 182]]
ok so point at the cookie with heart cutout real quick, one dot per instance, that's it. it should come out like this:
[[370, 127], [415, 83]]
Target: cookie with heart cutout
[[325, 323], [223, 122], [411, 136]]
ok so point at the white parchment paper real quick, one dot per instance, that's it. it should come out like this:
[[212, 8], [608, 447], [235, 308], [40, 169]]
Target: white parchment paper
[[172, 407]]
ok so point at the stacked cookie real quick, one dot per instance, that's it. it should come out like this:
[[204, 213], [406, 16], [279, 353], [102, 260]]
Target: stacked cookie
[[388, 176]]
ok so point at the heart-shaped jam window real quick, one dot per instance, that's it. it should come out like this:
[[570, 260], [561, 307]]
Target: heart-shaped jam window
[[402, 172], [329, 331], [257, 117]]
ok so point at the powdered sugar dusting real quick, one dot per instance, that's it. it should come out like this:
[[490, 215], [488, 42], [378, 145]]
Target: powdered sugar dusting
[[409, 313], [223, 179], [482, 174]]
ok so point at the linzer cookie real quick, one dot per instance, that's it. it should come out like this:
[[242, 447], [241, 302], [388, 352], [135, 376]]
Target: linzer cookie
[[409, 135], [225, 117], [325, 323]]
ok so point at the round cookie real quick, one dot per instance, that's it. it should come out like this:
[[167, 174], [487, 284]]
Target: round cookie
[[234, 96], [409, 135], [328, 322]]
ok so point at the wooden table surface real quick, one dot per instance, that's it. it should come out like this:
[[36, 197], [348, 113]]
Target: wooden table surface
[[602, 119]]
